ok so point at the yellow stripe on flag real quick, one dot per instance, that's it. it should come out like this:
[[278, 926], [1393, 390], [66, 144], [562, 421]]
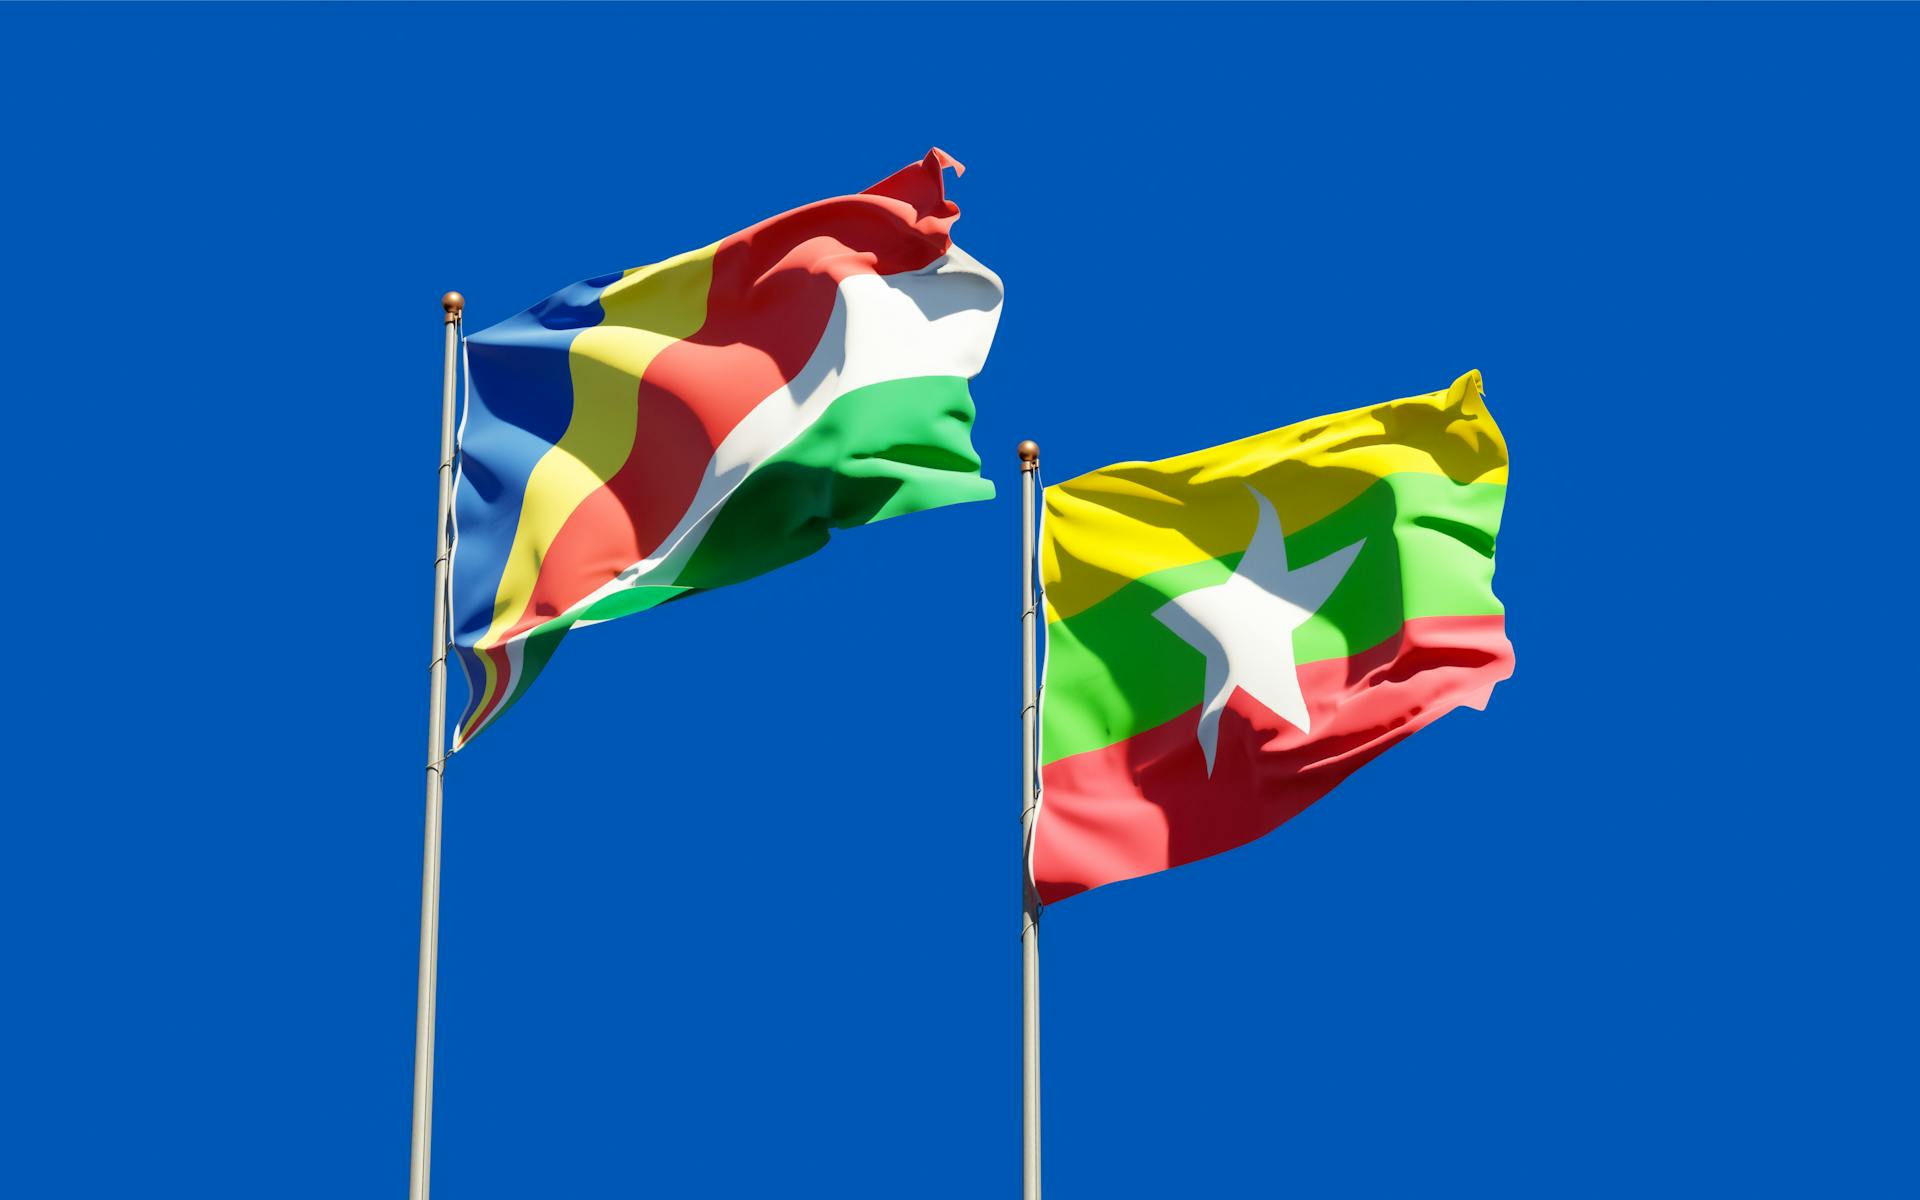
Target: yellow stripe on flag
[[647, 310], [1109, 527]]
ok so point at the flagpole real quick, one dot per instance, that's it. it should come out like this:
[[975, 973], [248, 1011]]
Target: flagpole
[[1029, 798], [452, 302]]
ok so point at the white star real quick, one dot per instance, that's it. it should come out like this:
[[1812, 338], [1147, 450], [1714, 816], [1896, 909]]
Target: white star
[[1245, 625]]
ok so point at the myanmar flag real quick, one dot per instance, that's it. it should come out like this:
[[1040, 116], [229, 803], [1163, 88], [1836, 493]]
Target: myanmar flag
[[694, 423], [1233, 632]]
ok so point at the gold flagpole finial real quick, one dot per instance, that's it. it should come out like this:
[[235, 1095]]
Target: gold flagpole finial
[[453, 302], [1029, 455]]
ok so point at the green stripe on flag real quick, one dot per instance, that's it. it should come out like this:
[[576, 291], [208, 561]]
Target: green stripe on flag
[[1114, 670], [877, 452]]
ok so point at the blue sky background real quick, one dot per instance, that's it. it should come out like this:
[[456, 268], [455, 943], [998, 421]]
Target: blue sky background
[[1645, 927]]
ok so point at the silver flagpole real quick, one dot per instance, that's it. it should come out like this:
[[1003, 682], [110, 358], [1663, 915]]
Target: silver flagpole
[[1029, 798], [452, 302]]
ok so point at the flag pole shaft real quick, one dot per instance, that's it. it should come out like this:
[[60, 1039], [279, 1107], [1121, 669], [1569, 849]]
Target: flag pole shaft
[[1029, 799], [452, 302]]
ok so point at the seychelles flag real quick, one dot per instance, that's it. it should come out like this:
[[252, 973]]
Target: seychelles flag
[[694, 423], [1233, 632]]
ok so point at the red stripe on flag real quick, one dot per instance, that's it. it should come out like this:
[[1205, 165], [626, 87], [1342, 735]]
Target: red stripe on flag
[[1147, 804]]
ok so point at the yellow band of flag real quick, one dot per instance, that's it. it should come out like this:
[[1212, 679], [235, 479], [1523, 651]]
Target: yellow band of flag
[[1111, 526], [647, 310]]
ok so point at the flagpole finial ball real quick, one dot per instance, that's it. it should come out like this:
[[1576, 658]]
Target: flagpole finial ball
[[453, 302], [1029, 452]]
